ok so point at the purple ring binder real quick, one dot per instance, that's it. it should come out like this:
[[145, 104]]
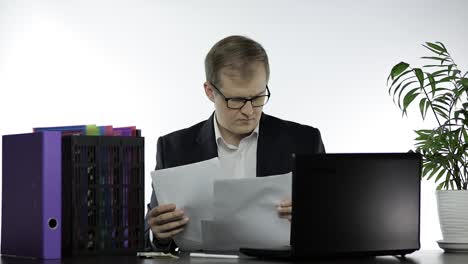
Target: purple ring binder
[[32, 195]]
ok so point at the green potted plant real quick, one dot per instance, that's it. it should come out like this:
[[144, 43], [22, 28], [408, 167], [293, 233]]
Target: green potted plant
[[441, 90]]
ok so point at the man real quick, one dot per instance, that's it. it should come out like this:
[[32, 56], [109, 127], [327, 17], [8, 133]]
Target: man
[[246, 141]]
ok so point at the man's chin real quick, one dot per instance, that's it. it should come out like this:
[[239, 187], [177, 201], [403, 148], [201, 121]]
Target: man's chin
[[242, 130]]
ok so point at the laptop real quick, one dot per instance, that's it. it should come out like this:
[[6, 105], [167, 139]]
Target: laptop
[[352, 205]]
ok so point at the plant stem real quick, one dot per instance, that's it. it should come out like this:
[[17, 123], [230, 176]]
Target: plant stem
[[430, 102]]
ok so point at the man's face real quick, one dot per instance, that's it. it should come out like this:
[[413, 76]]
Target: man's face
[[238, 122]]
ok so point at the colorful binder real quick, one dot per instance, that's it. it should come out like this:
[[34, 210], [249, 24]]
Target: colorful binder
[[93, 130], [31, 197], [66, 130]]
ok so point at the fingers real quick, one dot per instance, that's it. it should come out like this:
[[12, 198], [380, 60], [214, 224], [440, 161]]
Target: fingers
[[168, 235], [286, 216], [165, 218], [170, 229], [163, 208], [285, 209], [166, 221], [286, 202], [285, 212], [169, 217], [171, 225], [164, 214]]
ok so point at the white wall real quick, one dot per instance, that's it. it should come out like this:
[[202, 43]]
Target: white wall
[[138, 62]]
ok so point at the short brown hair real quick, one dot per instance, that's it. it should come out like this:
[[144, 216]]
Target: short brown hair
[[236, 53]]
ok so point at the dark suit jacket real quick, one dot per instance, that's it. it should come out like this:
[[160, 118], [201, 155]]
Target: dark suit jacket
[[277, 140]]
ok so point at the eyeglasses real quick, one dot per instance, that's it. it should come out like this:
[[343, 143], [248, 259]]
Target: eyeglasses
[[239, 102]]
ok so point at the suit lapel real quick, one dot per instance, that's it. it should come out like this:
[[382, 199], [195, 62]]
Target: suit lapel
[[206, 140], [264, 146], [273, 149]]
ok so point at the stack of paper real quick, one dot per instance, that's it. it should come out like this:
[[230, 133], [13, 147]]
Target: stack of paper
[[225, 214]]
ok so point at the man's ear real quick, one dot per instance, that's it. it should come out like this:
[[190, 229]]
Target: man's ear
[[209, 91]]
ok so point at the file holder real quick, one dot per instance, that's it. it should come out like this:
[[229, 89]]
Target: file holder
[[103, 191]]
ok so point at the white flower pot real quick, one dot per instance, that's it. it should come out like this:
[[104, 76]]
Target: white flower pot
[[453, 215]]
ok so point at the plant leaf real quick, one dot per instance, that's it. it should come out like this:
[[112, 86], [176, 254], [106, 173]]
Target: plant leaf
[[436, 73], [422, 107], [427, 108], [433, 50], [402, 88], [440, 186], [442, 172], [400, 97], [436, 47], [434, 171], [465, 135], [443, 100], [434, 65], [447, 180], [446, 79], [449, 68], [440, 112], [398, 69], [464, 82], [442, 45], [420, 75], [432, 83], [408, 99], [398, 78], [442, 60], [427, 168]]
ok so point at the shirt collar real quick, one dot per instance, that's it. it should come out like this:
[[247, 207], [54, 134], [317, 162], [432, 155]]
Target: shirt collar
[[219, 137]]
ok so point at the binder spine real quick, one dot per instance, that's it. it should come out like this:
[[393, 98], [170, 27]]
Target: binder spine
[[52, 195]]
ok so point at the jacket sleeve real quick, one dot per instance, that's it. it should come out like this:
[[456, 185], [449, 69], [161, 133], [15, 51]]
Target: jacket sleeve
[[151, 243]]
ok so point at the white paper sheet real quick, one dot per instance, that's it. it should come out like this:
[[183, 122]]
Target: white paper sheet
[[245, 213], [225, 214], [189, 187]]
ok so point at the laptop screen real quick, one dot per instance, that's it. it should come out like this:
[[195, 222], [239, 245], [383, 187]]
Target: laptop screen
[[345, 203]]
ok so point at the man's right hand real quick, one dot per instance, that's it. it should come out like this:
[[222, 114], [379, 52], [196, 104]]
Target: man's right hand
[[166, 221]]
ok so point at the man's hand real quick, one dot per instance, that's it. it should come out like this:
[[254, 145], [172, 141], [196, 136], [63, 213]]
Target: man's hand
[[285, 209], [166, 222]]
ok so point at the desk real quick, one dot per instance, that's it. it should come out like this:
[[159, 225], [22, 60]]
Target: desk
[[419, 257]]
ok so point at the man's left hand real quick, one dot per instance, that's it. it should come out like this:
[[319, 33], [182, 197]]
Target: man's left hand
[[285, 209]]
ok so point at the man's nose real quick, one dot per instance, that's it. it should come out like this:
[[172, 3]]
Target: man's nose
[[247, 109]]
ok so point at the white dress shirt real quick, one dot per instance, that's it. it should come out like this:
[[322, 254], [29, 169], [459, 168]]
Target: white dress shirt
[[237, 162]]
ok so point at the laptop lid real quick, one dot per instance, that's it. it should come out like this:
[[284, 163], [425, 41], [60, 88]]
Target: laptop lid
[[355, 204]]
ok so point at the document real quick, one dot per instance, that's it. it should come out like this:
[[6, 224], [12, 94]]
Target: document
[[190, 187], [225, 214], [245, 213]]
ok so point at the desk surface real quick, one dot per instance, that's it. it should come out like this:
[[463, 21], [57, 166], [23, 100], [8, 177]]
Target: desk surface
[[419, 257]]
